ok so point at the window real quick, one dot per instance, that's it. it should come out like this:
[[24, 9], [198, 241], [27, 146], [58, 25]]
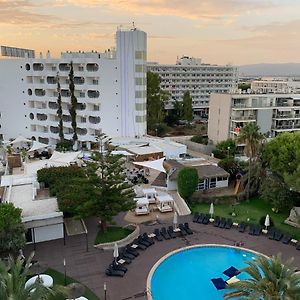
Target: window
[[140, 94], [140, 119], [140, 106], [140, 55], [140, 68], [140, 81]]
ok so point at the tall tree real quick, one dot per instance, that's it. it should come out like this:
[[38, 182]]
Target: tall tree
[[155, 100], [187, 106], [59, 111], [268, 279], [13, 276], [252, 137], [73, 107], [187, 181], [11, 229]]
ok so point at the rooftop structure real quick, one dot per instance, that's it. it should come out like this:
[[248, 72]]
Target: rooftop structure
[[190, 74], [273, 113]]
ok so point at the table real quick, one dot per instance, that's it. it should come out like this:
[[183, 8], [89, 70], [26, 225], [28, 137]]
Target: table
[[46, 280]]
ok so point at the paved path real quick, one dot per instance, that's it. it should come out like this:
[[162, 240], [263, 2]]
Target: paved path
[[89, 267]]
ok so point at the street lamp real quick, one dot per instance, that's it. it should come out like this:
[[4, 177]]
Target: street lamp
[[228, 149], [65, 272], [104, 287]]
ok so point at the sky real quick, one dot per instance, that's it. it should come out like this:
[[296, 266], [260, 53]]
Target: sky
[[218, 31]]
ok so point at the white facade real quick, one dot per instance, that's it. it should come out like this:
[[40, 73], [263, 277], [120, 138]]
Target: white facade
[[110, 88], [273, 113], [276, 85], [190, 74]]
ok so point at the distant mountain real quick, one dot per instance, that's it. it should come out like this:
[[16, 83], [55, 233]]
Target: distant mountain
[[288, 69]]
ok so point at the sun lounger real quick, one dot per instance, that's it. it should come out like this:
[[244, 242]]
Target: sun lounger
[[286, 239], [132, 251], [222, 223], [242, 227], [195, 218], [164, 233], [147, 238], [187, 228], [298, 246], [112, 272], [143, 241], [126, 255], [182, 229], [232, 271], [136, 244], [271, 233], [252, 229], [200, 218], [219, 283], [206, 219], [118, 267], [217, 221], [158, 236], [278, 235], [257, 230], [229, 223], [233, 279], [171, 232]]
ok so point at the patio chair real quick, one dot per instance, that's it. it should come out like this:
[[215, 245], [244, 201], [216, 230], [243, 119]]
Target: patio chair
[[222, 223], [118, 267], [251, 229], [206, 219], [232, 271], [164, 233], [143, 241], [126, 254], [229, 223], [257, 230], [242, 227], [187, 228], [219, 283], [147, 238], [112, 272], [271, 233], [182, 229], [171, 232], [200, 218], [158, 236], [286, 239], [217, 221], [195, 217], [278, 235], [138, 245], [131, 251]]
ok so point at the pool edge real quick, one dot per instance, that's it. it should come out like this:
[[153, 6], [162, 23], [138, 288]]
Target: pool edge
[[149, 278]]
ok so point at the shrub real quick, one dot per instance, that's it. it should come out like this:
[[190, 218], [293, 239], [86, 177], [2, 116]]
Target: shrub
[[187, 181], [64, 146], [262, 221], [200, 139]]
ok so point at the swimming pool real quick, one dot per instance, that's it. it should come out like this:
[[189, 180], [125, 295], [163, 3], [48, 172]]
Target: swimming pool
[[186, 274]]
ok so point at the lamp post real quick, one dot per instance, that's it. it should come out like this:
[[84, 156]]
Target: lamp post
[[65, 272], [105, 290], [228, 150]]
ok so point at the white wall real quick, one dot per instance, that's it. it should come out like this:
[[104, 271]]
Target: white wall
[[171, 185], [48, 233]]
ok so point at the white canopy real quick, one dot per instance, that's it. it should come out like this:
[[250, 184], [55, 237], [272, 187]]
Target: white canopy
[[121, 152], [20, 139], [164, 198], [153, 164], [141, 201], [37, 146], [149, 191], [65, 158]]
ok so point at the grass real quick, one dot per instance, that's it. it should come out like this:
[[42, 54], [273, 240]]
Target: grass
[[112, 234], [254, 210], [59, 278]]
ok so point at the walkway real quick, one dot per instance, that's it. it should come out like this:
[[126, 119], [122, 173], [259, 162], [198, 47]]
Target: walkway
[[89, 267]]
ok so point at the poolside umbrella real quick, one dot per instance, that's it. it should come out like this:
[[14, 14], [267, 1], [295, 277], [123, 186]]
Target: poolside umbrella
[[116, 252], [75, 290], [175, 219], [267, 221], [211, 209]]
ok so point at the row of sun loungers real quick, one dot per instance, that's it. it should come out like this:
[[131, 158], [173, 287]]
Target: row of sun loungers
[[129, 252]]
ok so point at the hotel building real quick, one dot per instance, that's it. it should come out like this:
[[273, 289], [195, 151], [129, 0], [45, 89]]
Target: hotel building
[[190, 74]]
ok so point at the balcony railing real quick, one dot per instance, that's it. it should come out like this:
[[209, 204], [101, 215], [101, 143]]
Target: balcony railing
[[93, 94], [92, 67]]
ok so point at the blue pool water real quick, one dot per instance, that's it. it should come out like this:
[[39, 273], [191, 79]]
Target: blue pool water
[[186, 275]]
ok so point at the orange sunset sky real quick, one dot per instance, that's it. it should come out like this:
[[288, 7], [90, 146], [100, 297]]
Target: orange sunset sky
[[218, 31]]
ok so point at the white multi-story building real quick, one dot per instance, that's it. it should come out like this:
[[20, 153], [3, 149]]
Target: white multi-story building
[[273, 113], [190, 74], [110, 88], [276, 85]]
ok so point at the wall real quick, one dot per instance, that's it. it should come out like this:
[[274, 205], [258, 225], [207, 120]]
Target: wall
[[264, 119], [47, 233], [171, 185]]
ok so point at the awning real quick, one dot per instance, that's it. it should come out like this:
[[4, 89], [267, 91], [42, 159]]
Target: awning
[[164, 198], [121, 152], [141, 201], [37, 146], [20, 139], [153, 164], [65, 158]]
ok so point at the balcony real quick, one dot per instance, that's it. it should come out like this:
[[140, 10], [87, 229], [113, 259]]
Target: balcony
[[283, 116], [81, 131], [78, 80], [93, 94], [243, 118], [64, 67], [81, 106], [51, 80], [92, 67], [41, 117], [66, 118], [52, 105], [65, 93], [38, 67], [54, 129], [40, 92], [94, 120]]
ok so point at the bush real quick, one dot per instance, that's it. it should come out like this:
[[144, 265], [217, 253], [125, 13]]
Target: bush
[[64, 146], [230, 165], [200, 139], [225, 148], [187, 181], [262, 221]]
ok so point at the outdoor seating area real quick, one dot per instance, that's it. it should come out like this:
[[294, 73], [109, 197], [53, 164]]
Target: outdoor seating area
[[253, 229]]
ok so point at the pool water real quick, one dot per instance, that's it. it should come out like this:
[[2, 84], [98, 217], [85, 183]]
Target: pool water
[[186, 275]]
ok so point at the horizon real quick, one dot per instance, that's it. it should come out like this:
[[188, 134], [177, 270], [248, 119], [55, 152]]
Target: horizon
[[234, 32]]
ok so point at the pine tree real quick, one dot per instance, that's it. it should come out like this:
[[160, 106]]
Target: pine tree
[[59, 112], [73, 108]]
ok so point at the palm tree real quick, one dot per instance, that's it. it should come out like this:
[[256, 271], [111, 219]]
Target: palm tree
[[13, 276], [252, 137], [269, 279]]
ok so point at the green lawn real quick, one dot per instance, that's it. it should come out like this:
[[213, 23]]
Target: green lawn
[[254, 210], [59, 278], [112, 234]]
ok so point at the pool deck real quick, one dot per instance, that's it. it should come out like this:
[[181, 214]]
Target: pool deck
[[89, 267]]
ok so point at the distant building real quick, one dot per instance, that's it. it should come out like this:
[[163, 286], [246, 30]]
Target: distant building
[[273, 113], [190, 74], [110, 88], [276, 85]]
